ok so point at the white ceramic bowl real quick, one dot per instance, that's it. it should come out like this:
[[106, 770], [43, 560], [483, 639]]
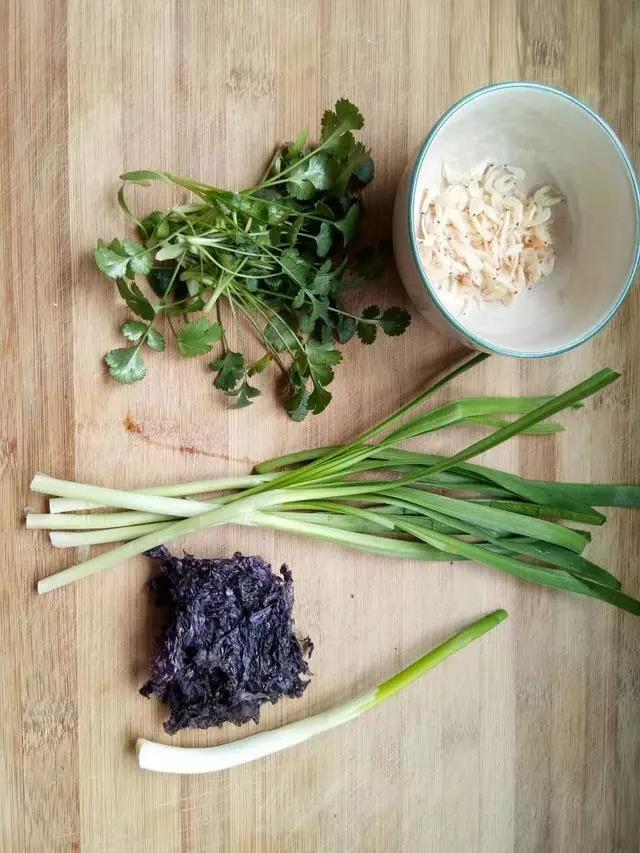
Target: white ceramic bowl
[[557, 140]]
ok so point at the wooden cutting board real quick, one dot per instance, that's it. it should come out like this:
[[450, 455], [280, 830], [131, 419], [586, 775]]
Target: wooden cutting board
[[527, 741]]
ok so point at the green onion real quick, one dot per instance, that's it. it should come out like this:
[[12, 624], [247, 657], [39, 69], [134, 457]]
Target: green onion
[[426, 506], [178, 490], [164, 758]]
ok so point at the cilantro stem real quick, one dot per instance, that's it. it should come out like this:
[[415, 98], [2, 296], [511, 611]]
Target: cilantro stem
[[260, 335], [287, 207], [323, 144], [219, 289]]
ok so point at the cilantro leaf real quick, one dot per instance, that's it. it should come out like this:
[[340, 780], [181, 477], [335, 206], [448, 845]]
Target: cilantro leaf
[[321, 358], [259, 365], [323, 210], [394, 321], [344, 116], [126, 364], [300, 188], [343, 147], [155, 340], [124, 259], [111, 261], [358, 158], [367, 332], [135, 299], [142, 176], [319, 399], [297, 404], [151, 223], [279, 335], [321, 171], [134, 330], [275, 235], [324, 240], [348, 225], [346, 329], [230, 371], [169, 251], [323, 280], [317, 173], [294, 230], [295, 266], [139, 258], [197, 337], [294, 149], [317, 309], [246, 393]]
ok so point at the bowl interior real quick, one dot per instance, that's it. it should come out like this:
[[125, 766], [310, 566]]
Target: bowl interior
[[558, 142]]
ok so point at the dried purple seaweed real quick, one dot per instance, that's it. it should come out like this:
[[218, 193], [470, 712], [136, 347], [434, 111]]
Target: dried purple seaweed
[[228, 645]]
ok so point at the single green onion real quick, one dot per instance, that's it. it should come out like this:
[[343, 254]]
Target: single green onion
[[97, 521], [117, 498], [164, 758], [178, 490], [80, 539]]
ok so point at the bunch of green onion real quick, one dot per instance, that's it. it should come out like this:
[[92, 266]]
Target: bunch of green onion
[[419, 505]]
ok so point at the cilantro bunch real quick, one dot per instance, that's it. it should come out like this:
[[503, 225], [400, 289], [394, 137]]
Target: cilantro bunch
[[269, 260]]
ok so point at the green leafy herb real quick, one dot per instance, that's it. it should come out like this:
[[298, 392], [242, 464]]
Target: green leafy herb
[[259, 365], [155, 340], [271, 257], [230, 371], [136, 331], [135, 299], [246, 393], [126, 365], [122, 258], [394, 321], [198, 337]]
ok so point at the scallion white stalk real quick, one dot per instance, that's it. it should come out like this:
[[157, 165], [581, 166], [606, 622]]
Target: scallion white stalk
[[237, 512], [164, 758], [176, 490], [81, 538], [98, 521], [117, 498]]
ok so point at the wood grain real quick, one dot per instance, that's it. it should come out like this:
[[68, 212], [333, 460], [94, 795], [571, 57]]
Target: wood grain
[[528, 741]]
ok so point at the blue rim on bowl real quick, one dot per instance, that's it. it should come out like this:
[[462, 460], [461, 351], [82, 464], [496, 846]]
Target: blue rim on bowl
[[480, 342]]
